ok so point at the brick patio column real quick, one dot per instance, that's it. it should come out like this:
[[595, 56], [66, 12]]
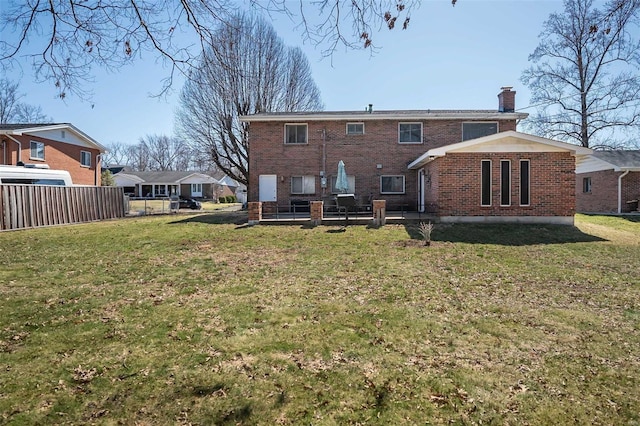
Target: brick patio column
[[379, 212], [255, 212], [316, 212]]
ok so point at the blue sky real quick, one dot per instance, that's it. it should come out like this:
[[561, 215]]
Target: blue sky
[[449, 58]]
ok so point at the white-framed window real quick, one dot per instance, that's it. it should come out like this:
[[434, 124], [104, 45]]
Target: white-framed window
[[63, 134], [525, 182], [196, 189], [410, 132], [295, 134], [485, 183], [392, 184], [351, 181], [475, 130], [303, 184], [586, 184], [85, 158], [355, 128], [505, 183], [37, 150]]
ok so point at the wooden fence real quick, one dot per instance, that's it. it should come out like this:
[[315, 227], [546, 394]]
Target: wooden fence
[[30, 206]]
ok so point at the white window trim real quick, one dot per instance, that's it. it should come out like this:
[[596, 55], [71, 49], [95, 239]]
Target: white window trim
[[404, 184], [82, 153], [490, 183], [509, 186], [350, 179], [352, 123], [421, 132], [585, 180], [497, 123], [31, 157], [306, 137], [305, 181], [528, 182]]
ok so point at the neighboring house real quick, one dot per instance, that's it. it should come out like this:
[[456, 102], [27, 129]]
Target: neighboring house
[[457, 164], [165, 183], [231, 187], [60, 146], [608, 182]]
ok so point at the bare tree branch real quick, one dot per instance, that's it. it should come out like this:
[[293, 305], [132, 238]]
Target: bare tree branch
[[585, 78]]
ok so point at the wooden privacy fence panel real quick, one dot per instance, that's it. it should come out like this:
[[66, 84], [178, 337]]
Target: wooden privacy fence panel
[[30, 206]]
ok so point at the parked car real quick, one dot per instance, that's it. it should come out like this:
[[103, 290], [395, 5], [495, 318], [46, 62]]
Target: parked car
[[189, 203]]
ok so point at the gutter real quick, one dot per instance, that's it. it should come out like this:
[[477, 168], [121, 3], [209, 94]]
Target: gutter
[[626, 172]]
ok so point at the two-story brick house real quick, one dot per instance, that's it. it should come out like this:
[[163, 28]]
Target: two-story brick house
[[61, 146], [457, 164]]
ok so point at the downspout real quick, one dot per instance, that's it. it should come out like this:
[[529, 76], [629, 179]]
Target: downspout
[[19, 147], [324, 161], [626, 172], [95, 174]]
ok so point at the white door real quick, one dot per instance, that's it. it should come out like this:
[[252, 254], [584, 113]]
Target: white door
[[268, 187]]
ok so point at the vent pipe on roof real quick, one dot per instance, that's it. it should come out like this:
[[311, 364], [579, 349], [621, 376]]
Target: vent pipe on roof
[[370, 108]]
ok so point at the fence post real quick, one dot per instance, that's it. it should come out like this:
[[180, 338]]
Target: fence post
[[379, 212], [255, 212]]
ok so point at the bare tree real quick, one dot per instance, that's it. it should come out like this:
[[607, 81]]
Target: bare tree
[[12, 110], [165, 153], [249, 71], [117, 154], [138, 156], [110, 34], [585, 79]]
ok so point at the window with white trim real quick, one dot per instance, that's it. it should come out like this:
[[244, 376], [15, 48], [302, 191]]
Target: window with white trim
[[355, 128], [525, 185], [478, 130], [36, 150], [485, 183], [410, 132], [351, 181], [505, 183], [196, 189], [295, 134], [586, 184], [303, 184], [85, 158], [392, 184]]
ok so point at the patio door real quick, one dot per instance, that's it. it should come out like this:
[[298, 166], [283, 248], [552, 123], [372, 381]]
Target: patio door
[[268, 188], [421, 200]]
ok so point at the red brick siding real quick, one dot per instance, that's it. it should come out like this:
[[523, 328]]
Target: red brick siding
[[58, 155], [361, 154], [551, 178], [603, 197]]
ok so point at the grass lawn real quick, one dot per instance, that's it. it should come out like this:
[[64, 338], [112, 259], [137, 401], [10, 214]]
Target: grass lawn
[[195, 319]]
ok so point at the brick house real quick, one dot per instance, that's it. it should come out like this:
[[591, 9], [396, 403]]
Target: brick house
[[60, 146], [608, 182], [152, 184], [293, 159]]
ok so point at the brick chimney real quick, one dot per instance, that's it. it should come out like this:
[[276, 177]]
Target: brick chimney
[[507, 100]]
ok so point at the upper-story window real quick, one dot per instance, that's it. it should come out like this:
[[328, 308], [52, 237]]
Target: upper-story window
[[355, 128], [478, 130], [410, 132], [85, 158], [295, 133], [37, 151]]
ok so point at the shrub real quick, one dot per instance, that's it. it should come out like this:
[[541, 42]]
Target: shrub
[[425, 230]]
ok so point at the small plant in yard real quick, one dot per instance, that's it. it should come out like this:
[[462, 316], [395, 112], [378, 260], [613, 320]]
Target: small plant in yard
[[425, 230]]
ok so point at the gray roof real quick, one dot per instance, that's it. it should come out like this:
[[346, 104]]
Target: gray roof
[[622, 158], [13, 126], [426, 114], [168, 176]]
